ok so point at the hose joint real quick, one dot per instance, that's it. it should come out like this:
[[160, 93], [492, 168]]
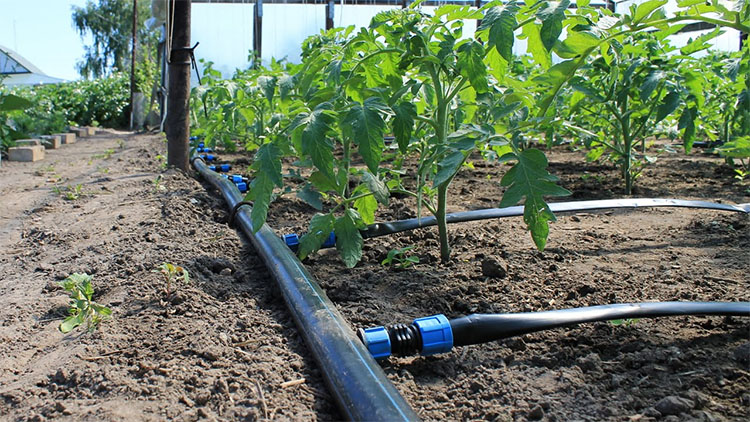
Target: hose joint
[[426, 336]]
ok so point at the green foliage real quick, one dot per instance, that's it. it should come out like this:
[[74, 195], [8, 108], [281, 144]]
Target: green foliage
[[82, 308], [442, 98], [10, 103], [398, 258], [69, 193], [109, 24]]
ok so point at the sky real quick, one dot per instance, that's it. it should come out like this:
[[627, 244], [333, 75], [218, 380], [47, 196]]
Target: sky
[[42, 32]]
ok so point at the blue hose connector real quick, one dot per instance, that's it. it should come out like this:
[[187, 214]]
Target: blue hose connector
[[236, 178], [202, 149], [220, 168], [437, 336], [425, 336], [330, 242], [292, 241], [377, 341], [242, 186], [208, 157]]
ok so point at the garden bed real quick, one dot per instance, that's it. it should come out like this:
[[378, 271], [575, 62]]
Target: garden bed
[[227, 349]]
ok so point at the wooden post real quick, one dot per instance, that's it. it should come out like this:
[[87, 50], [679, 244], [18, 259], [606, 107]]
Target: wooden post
[[257, 31], [132, 65], [329, 14], [178, 101]]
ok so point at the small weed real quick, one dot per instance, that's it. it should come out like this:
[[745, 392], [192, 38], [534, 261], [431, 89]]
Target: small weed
[[162, 159], [627, 322], [102, 169], [121, 143], [157, 184], [44, 170], [172, 274], [105, 155], [397, 258], [82, 308], [69, 193]]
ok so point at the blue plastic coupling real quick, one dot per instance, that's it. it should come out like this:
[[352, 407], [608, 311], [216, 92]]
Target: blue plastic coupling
[[291, 240], [193, 138], [242, 186], [220, 168], [236, 178], [201, 149], [437, 336], [425, 336], [208, 157], [330, 242], [377, 341]]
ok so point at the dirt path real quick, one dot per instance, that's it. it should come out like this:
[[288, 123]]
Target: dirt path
[[222, 349]]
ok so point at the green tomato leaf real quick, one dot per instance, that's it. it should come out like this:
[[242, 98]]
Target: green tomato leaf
[[377, 187], [366, 205], [651, 82], [687, 122], [529, 178], [552, 16], [645, 9], [471, 66], [286, 86], [268, 85], [403, 124], [448, 167], [348, 238], [71, 323], [701, 42], [321, 226], [267, 166], [315, 142], [311, 197], [668, 105], [368, 127], [501, 21]]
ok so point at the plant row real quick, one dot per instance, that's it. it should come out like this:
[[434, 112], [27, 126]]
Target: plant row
[[606, 81]]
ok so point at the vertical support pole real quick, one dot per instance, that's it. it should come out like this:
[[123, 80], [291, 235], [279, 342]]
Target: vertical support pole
[[257, 31], [329, 15], [178, 101], [132, 65]]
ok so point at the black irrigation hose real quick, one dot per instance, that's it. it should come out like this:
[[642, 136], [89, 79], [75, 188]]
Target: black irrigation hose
[[436, 334], [382, 229], [356, 381]]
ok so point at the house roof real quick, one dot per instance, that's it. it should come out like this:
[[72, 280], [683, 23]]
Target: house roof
[[19, 71]]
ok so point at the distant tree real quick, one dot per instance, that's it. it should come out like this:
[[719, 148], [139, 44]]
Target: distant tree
[[110, 24]]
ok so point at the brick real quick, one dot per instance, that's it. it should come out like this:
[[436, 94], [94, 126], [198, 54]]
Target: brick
[[80, 132], [29, 153], [51, 141], [28, 142], [67, 138]]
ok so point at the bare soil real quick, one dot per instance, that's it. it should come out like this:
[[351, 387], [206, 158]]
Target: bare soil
[[225, 348]]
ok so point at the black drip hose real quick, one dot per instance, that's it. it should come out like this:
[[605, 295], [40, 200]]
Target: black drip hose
[[357, 383], [382, 229], [482, 328]]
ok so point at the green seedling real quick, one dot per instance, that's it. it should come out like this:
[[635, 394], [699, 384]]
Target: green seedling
[[162, 159], [397, 258], [627, 322], [69, 193], [157, 184], [105, 155], [172, 274], [82, 308], [121, 143]]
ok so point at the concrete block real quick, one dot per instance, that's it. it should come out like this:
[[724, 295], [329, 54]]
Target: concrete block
[[28, 142], [51, 141], [80, 132], [67, 138], [28, 153], [90, 130]]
